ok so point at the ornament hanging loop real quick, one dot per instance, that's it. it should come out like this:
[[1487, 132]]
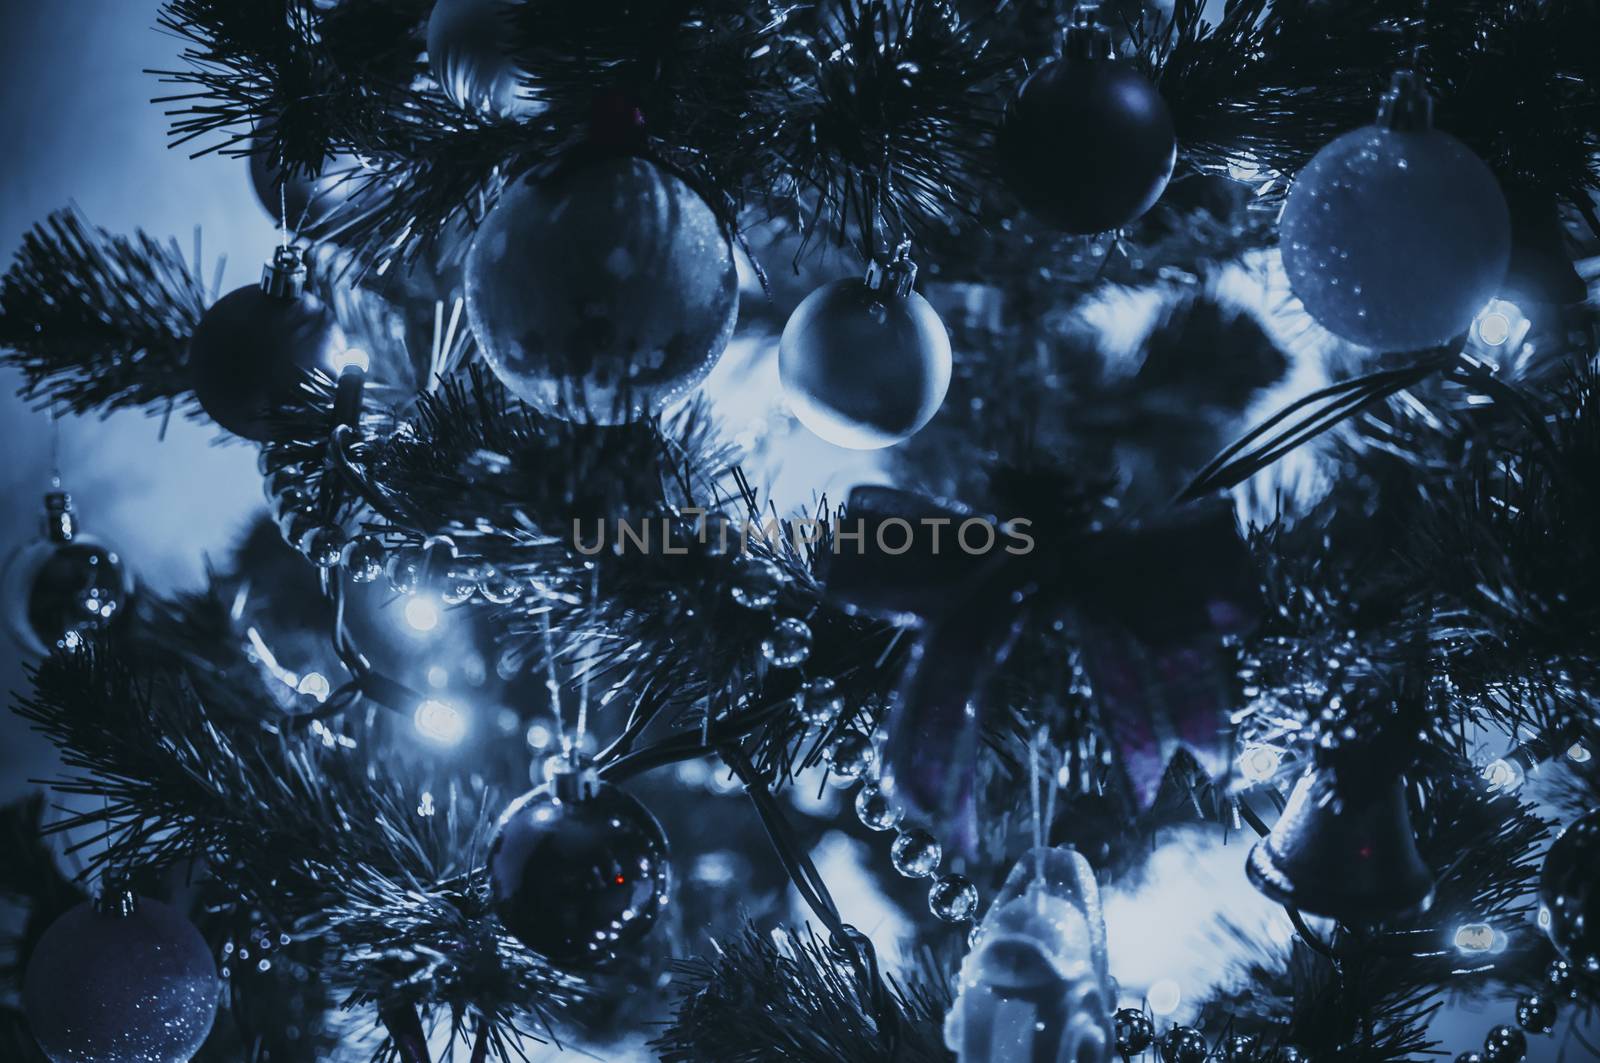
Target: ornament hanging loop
[[897, 275], [117, 900], [285, 276], [1406, 107], [60, 522], [1087, 37]]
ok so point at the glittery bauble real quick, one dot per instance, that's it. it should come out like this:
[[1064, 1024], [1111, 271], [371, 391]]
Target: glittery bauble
[[876, 809], [1182, 1044], [1088, 144], [1569, 894], [363, 558], [1504, 1044], [602, 295], [864, 368], [56, 590], [1559, 980], [468, 49], [788, 645], [578, 876], [1240, 1048], [1288, 1054], [252, 351], [104, 987], [952, 898], [916, 853], [851, 756], [1134, 1031], [1395, 239], [1536, 1013]]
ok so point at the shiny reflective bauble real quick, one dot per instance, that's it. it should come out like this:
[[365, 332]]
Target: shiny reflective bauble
[[864, 368], [103, 987], [1504, 1044], [1395, 239], [404, 569], [1470, 1057], [1289, 1054], [1134, 1031], [499, 588], [1181, 1044], [1240, 1048], [1559, 980], [819, 701], [577, 879], [916, 853], [253, 350], [952, 898], [788, 645], [340, 187], [603, 295], [1569, 894], [877, 810], [756, 583], [55, 591], [1536, 1013], [1088, 144], [469, 52], [460, 583], [851, 756], [364, 558], [323, 545]]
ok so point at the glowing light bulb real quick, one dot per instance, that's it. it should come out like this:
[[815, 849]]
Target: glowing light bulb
[[1578, 753], [351, 356], [1501, 324], [1259, 762], [1475, 938], [314, 684], [1503, 774], [422, 614], [1164, 997], [438, 677], [440, 722]]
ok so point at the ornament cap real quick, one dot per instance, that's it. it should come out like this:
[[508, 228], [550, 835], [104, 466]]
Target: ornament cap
[[117, 901], [572, 778], [897, 275], [60, 522], [1087, 36], [285, 276], [1406, 107]]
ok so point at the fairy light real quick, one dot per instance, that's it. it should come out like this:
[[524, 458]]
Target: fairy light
[[422, 614], [1475, 939], [351, 357], [1164, 997], [1502, 774], [1578, 753], [1259, 762], [314, 685], [1501, 324], [439, 721]]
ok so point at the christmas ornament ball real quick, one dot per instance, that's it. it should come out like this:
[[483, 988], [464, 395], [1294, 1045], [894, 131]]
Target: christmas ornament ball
[[255, 346], [1536, 1013], [1505, 1044], [578, 869], [1395, 239], [127, 982], [304, 198], [603, 294], [1569, 894], [1134, 1031], [467, 50], [1183, 1044], [63, 584], [1087, 144], [865, 363]]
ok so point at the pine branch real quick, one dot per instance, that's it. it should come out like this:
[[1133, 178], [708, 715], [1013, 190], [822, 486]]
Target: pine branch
[[96, 321]]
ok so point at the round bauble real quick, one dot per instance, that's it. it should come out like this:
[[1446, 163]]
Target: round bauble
[[578, 869], [468, 49], [126, 982], [1395, 238], [254, 348], [1569, 894], [65, 584], [306, 199], [1134, 1031], [602, 295], [1088, 144], [864, 364]]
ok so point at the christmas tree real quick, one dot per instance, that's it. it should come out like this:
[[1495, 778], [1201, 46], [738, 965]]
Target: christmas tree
[[1111, 483]]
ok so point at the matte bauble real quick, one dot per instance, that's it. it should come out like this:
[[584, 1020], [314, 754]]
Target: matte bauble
[[469, 51], [305, 199], [1088, 144], [126, 982], [1395, 237], [1569, 894], [63, 584], [604, 294], [256, 345], [578, 869], [865, 363]]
